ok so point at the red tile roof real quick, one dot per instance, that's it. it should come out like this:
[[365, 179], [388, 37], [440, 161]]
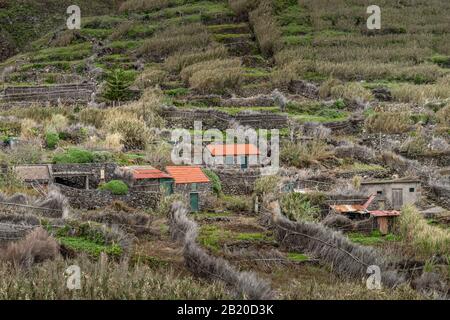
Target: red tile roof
[[187, 174], [233, 149], [148, 172]]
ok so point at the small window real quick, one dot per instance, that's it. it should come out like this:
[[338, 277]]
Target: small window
[[379, 192], [412, 190], [194, 187]]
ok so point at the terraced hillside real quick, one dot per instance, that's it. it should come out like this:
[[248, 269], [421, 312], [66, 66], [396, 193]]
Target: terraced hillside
[[351, 105]]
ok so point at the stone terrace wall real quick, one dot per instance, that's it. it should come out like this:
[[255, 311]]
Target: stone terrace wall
[[213, 119], [95, 199], [65, 93], [238, 182]]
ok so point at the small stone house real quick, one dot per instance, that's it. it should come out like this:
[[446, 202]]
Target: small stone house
[[393, 194], [241, 156], [147, 178], [191, 182]]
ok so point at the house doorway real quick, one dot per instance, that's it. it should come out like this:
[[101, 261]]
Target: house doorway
[[194, 202], [397, 198]]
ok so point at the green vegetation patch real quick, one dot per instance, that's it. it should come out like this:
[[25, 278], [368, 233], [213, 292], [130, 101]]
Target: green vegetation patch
[[74, 155], [80, 244], [374, 238], [116, 187], [297, 257]]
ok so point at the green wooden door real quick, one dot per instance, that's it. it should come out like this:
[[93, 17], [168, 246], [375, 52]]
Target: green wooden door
[[244, 162], [194, 202]]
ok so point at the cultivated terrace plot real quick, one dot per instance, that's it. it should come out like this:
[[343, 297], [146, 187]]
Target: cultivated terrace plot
[[113, 155]]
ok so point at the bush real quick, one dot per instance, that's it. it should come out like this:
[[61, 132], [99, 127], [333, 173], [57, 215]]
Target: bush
[[426, 238], [117, 187], [134, 132], [215, 180], [305, 154], [37, 247], [267, 184], [51, 140], [74, 155], [298, 207], [237, 204], [25, 153], [92, 116]]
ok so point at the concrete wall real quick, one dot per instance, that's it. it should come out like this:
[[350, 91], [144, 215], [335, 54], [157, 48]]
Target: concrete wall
[[386, 189]]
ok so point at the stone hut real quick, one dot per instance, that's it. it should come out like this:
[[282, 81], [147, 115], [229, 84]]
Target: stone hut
[[191, 182], [393, 194]]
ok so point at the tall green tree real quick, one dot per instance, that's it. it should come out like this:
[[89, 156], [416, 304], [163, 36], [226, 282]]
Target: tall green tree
[[117, 88]]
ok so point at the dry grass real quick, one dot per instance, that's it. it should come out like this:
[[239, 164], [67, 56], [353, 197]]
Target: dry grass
[[180, 60], [213, 75], [104, 280], [305, 154], [427, 239], [388, 122], [266, 28], [37, 247], [143, 5], [173, 39]]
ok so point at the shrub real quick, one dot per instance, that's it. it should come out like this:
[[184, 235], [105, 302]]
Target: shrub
[[297, 207], [304, 154], [113, 141], [37, 247], [237, 204], [74, 155], [92, 116], [57, 123], [426, 238], [266, 27], [51, 139], [25, 153], [134, 132], [267, 184], [150, 78], [117, 187], [159, 155], [215, 180], [443, 116], [29, 129]]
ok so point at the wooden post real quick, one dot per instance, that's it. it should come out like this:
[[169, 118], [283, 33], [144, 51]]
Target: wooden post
[[87, 182]]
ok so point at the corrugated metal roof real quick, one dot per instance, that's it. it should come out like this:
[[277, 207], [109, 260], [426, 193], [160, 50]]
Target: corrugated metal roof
[[347, 208], [384, 213], [187, 174], [233, 149]]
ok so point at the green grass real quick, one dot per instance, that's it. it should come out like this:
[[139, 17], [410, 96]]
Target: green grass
[[80, 244], [374, 238], [297, 257], [116, 187], [257, 236], [74, 155], [69, 53]]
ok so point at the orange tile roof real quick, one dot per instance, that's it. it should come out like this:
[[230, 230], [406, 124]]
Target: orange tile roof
[[233, 149], [187, 174], [148, 172]]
